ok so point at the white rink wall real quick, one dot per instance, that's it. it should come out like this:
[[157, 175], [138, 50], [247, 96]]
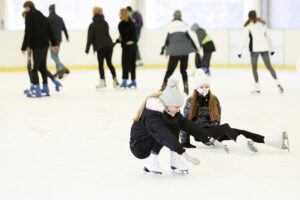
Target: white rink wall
[[286, 44]]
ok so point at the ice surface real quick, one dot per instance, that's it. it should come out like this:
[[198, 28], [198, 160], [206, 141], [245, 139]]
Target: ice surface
[[74, 144]]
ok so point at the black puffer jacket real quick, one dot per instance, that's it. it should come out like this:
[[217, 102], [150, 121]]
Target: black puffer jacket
[[202, 117], [58, 25], [127, 32], [98, 34], [155, 123]]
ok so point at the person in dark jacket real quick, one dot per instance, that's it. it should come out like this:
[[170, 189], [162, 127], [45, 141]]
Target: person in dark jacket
[[58, 26], [128, 39], [204, 109], [178, 46], [38, 32], [208, 46], [137, 19], [158, 124], [98, 36]]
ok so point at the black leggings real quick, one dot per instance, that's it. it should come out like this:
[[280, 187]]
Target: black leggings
[[266, 58], [173, 61], [105, 53], [206, 59], [128, 61], [225, 132]]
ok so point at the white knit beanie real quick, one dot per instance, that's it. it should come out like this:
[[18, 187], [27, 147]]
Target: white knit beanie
[[200, 78], [172, 96]]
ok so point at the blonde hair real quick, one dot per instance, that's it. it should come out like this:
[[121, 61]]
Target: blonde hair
[[124, 14], [140, 111], [97, 11]]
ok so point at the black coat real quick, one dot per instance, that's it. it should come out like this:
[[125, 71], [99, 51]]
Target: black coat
[[38, 31], [127, 32], [98, 34], [165, 129], [58, 25]]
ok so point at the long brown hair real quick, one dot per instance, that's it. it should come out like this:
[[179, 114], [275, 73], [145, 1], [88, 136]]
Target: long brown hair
[[140, 111], [253, 18], [212, 106]]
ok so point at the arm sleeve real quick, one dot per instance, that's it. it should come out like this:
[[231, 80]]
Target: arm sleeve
[[192, 41], [89, 39], [271, 47], [65, 29], [162, 134], [187, 108], [244, 40], [28, 32]]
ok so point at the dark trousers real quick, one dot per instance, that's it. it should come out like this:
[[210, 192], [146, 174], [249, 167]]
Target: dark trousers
[[266, 58], [225, 132], [105, 53], [128, 61], [206, 59], [39, 64], [173, 61]]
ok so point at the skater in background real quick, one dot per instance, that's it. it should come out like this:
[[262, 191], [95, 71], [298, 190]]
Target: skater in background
[[137, 19], [259, 44], [29, 68], [204, 109], [38, 32], [128, 39], [208, 46], [178, 46], [98, 36], [58, 26]]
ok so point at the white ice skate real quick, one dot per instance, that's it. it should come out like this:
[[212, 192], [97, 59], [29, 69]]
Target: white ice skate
[[219, 144], [101, 85], [115, 83], [256, 90], [246, 143], [177, 165], [152, 165], [280, 141]]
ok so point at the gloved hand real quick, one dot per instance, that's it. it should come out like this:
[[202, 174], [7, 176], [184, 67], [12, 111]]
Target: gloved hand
[[239, 55], [272, 53], [162, 50], [191, 159]]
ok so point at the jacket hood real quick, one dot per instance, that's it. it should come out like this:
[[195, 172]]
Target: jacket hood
[[155, 104], [98, 18]]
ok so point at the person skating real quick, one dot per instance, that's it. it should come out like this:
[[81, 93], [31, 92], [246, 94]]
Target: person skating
[[128, 39], [58, 26], [260, 43], [204, 109], [208, 46], [98, 36], [178, 45], [38, 32], [157, 124]]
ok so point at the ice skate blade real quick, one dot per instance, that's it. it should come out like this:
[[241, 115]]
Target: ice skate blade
[[226, 149], [178, 171], [286, 143], [147, 171], [256, 92], [251, 146]]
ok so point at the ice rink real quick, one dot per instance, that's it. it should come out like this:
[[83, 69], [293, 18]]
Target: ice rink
[[74, 144]]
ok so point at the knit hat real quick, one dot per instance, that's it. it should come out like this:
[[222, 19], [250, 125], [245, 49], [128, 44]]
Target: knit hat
[[200, 78], [195, 27], [52, 8], [177, 15], [172, 96]]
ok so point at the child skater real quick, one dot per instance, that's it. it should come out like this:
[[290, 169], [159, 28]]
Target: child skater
[[158, 124], [204, 109], [259, 44]]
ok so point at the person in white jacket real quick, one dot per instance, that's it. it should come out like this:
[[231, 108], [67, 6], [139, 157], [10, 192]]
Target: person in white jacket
[[256, 32]]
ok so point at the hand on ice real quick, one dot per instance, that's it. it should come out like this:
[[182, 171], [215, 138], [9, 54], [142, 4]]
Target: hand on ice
[[191, 159]]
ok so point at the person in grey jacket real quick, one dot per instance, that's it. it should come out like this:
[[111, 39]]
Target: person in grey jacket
[[178, 46], [208, 46], [204, 109], [58, 26]]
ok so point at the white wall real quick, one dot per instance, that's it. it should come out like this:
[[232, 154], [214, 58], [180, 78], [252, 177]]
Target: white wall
[[286, 45]]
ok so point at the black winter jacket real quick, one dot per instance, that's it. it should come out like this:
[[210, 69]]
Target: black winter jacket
[[98, 34], [58, 25], [127, 32], [156, 123], [38, 31]]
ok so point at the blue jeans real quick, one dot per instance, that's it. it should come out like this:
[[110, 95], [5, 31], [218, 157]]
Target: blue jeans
[[55, 58]]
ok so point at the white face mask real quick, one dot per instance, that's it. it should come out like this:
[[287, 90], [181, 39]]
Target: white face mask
[[203, 90]]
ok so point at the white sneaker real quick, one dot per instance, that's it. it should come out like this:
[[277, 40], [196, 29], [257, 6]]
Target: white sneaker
[[280, 141], [246, 143], [177, 165], [102, 84], [152, 165]]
